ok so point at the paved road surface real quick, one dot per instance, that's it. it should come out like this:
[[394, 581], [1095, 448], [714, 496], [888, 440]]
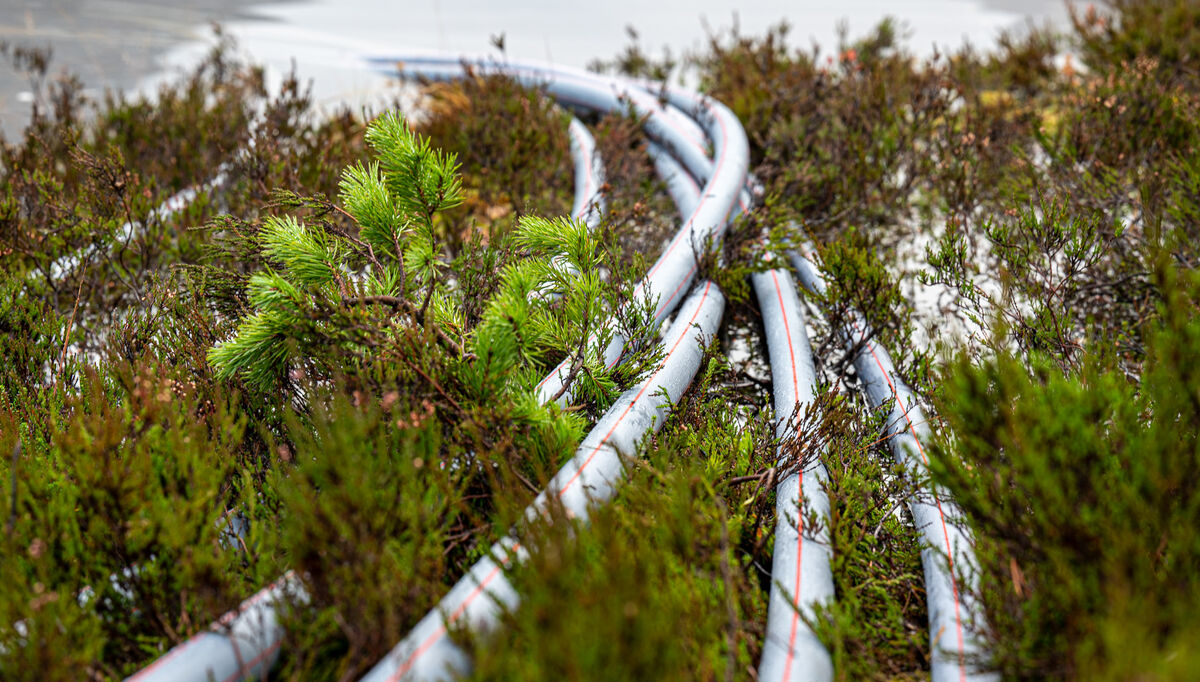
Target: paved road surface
[[113, 43]]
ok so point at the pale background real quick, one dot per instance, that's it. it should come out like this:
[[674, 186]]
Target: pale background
[[135, 44]]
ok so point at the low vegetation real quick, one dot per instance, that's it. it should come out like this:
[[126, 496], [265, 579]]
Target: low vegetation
[[326, 362]]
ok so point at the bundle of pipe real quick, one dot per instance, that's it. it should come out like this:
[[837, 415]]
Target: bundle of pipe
[[427, 653], [592, 476], [951, 609], [948, 550], [801, 575], [675, 269], [245, 642]]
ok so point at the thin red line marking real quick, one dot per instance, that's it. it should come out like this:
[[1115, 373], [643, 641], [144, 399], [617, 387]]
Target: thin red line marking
[[225, 619], [791, 654], [686, 278], [638, 397], [441, 631], [962, 670], [243, 669]]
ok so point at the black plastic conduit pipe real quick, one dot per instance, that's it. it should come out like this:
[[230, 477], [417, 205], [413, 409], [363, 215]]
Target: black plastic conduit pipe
[[948, 552]]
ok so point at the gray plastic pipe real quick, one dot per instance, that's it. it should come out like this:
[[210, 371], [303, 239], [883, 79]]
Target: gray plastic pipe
[[948, 549], [801, 573], [589, 203], [675, 270], [245, 642], [592, 476], [801, 577], [681, 186]]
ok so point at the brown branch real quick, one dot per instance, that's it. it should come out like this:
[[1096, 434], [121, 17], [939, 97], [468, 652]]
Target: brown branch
[[62, 358], [12, 471], [738, 480], [575, 366], [403, 304], [432, 382]]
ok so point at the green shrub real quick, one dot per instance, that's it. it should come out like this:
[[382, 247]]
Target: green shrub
[[1079, 489]]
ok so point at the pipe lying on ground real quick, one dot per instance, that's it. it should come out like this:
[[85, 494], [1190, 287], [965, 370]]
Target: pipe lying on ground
[[948, 548], [245, 642], [589, 204], [572, 88], [173, 204], [681, 186], [801, 576], [675, 269], [592, 476], [948, 605]]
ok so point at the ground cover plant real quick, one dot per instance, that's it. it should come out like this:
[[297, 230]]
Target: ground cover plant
[[325, 362]]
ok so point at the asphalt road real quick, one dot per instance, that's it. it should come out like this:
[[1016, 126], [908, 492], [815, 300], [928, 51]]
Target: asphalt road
[[107, 43]]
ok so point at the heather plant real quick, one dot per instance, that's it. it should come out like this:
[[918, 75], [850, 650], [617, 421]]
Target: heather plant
[[383, 310], [322, 286], [336, 375], [511, 142], [423, 337], [368, 515], [679, 545], [1078, 487], [876, 627], [117, 506]]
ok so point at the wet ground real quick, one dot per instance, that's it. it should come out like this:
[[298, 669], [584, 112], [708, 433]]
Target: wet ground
[[107, 43], [134, 44]]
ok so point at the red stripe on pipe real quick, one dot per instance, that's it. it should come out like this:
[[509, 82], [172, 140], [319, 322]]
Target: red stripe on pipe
[[962, 667], [246, 667], [638, 397], [441, 631], [228, 617], [791, 654]]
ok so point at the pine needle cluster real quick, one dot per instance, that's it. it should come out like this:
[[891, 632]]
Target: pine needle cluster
[[354, 289]]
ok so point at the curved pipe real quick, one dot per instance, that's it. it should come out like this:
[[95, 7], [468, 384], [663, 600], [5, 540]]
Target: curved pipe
[[948, 548], [245, 642], [801, 576], [571, 87], [801, 573], [589, 203], [675, 269], [681, 186], [593, 475]]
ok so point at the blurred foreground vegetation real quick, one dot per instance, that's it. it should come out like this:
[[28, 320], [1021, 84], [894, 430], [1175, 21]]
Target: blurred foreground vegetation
[[1020, 222]]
